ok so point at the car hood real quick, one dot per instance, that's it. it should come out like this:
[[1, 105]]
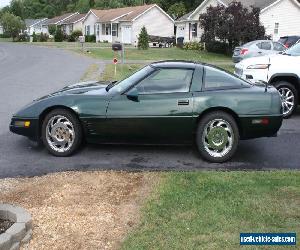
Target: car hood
[[80, 88], [272, 59]]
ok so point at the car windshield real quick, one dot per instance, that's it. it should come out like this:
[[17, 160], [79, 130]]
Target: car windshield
[[293, 51], [123, 85]]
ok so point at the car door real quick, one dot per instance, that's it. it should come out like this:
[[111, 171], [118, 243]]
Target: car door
[[158, 109]]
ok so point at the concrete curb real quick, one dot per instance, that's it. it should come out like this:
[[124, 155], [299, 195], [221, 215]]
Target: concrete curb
[[20, 232]]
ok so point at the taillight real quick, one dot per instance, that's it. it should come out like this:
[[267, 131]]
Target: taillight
[[286, 45], [244, 52]]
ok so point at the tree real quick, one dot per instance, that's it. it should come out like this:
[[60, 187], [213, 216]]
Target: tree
[[143, 41], [17, 8], [52, 29], [59, 35], [83, 6], [233, 25], [12, 25], [34, 37], [177, 10]]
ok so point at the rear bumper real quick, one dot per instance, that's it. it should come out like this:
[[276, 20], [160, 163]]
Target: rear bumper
[[250, 129], [31, 132]]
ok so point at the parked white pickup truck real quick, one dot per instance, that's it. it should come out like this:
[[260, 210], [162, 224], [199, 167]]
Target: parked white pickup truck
[[280, 70]]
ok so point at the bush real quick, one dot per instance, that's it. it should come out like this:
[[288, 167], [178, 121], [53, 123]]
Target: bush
[[143, 41], [90, 38], [74, 36], [34, 37], [59, 35], [43, 37], [193, 46], [23, 38], [218, 47], [52, 29]]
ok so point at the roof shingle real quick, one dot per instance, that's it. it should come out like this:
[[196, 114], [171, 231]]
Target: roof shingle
[[121, 14]]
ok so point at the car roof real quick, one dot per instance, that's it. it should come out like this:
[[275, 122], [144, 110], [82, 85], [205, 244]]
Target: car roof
[[179, 64]]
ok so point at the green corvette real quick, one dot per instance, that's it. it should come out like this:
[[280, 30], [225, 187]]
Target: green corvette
[[171, 102]]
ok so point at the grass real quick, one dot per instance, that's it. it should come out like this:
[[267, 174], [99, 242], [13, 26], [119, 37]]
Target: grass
[[5, 39], [70, 45], [208, 210], [155, 54]]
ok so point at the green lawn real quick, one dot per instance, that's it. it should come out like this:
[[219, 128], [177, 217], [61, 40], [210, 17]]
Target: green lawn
[[208, 210], [154, 54]]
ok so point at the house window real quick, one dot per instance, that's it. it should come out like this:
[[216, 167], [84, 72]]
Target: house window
[[194, 30], [107, 29], [114, 29], [276, 30], [71, 28], [87, 30], [98, 29]]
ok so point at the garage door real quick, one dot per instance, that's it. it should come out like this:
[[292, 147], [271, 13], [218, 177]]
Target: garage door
[[126, 34]]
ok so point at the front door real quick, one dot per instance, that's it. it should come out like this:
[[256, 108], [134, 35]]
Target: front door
[[162, 112], [126, 34]]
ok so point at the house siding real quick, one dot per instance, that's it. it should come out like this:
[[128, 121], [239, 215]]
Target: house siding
[[287, 14], [156, 23], [90, 20], [183, 28]]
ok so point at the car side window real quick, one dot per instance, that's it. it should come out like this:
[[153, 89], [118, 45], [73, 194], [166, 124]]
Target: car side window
[[258, 45], [278, 47], [266, 45], [166, 81], [218, 79]]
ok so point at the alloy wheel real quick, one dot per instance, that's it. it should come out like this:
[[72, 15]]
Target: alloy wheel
[[60, 133], [288, 100], [218, 138]]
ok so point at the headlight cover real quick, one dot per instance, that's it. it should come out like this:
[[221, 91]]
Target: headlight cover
[[259, 66]]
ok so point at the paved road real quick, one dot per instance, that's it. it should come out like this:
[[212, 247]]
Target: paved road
[[29, 72]]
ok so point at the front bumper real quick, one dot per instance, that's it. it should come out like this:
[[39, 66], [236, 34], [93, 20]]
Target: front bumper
[[250, 129], [32, 131]]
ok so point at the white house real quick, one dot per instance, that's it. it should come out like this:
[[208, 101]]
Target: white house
[[56, 21], [34, 25], [124, 24], [279, 17], [73, 23], [1, 30]]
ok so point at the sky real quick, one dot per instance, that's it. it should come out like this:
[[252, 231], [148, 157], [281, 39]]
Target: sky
[[4, 3]]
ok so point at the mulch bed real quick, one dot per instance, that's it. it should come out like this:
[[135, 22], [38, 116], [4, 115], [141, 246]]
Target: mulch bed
[[4, 225]]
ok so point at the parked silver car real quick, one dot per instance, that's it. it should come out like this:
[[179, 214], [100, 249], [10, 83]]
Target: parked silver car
[[256, 48]]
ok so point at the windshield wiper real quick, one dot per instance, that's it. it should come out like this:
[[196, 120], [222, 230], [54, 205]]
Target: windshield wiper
[[286, 54], [109, 86]]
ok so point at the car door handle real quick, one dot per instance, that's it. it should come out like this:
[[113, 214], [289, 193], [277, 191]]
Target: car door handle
[[259, 52], [183, 102]]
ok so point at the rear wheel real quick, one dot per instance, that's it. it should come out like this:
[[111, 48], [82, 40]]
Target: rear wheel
[[217, 137], [61, 133], [289, 97]]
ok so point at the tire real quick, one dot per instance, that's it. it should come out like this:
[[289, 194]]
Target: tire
[[283, 87], [217, 137], [65, 133]]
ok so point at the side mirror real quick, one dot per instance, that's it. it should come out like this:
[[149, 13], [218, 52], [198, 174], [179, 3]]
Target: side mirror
[[133, 95]]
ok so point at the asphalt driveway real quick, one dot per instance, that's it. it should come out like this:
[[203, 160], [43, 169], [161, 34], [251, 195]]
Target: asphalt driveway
[[28, 72]]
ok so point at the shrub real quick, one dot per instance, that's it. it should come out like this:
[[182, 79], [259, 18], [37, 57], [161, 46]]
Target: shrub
[[74, 36], [52, 29], [23, 38], [218, 47], [44, 37], [34, 37], [59, 35], [90, 38], [193, 46], [143, 41]]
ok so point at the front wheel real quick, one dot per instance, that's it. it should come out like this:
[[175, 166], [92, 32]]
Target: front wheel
[[61, 133], [217, 137], [289, 97]]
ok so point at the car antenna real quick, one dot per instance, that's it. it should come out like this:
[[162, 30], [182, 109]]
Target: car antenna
[[267, 83]]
